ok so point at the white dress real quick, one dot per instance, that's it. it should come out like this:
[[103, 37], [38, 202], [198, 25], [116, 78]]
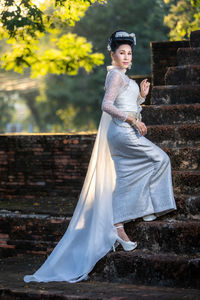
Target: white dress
[[127, 177], [143, 170]]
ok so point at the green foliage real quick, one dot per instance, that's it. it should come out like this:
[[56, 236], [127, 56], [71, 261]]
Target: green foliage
[[81, 96], [183, 17], [73, 103], [25, 15], [26, 27]]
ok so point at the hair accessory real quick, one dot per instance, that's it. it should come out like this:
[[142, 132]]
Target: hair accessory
[[126, 34], [134, 37], [108, 47], [121, 36]]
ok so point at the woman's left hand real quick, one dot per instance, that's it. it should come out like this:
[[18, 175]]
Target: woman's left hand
[[144, 88]]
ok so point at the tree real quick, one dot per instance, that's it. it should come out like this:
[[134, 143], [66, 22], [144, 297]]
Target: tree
[[68, 103], [28, 27], [183, 17], [81, 96]]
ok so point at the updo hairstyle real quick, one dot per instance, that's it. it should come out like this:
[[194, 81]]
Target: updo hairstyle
[[120, 37]]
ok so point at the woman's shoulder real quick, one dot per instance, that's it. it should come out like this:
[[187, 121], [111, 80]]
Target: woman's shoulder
[[117, 75], [115, 78]]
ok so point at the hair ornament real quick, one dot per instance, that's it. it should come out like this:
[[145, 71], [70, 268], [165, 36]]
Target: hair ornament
[[108, 47], [134, 37], [123, 36]]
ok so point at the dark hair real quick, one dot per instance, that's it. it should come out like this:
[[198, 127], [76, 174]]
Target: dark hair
[[114, 42]]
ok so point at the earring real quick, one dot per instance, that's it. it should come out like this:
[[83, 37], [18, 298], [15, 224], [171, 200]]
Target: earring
[[130, 66]]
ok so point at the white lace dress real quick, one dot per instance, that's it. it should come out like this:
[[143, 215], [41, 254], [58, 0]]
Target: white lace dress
[[143, 170], [127, 177]]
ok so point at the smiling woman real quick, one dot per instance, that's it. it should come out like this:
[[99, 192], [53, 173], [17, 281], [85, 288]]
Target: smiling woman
[[122, 56], [128, 177]]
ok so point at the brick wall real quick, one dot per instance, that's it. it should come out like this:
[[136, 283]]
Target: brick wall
[[43, 165], [163, 55]]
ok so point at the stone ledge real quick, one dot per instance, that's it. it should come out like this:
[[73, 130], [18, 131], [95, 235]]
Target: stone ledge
[[13, 287], [174, 135], [184, 159], [39, 234], [186, 182], [188, 56], [175, 94], [145, 267], [171, 114], [174, 236], [181, 75], [195, 38]]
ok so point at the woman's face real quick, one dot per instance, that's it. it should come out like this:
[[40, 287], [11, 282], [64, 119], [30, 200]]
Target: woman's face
[[122, 57]]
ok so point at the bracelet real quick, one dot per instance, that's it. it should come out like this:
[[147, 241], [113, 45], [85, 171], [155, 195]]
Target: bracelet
[[141, 99]]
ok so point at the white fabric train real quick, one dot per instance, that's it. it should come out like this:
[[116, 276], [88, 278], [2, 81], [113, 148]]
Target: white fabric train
[[91, 233]]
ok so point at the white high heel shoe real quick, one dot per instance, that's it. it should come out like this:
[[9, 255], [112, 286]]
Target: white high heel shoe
[[127, 246], [149, 218]]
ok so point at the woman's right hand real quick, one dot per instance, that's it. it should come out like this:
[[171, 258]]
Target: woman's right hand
[[141, 127]]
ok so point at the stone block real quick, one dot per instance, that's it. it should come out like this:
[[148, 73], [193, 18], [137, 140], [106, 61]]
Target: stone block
[[195, 38], [171, 114], [13, 288], [188, 56], [183, 75], [163, 55], [186, 158], [188, 207], [36, 234], [186, 182], [144, 267], [171, 236], [175, 94], [174, 135]]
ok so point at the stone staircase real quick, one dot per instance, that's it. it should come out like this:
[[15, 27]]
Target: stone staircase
[[168, 252], [169, 247]]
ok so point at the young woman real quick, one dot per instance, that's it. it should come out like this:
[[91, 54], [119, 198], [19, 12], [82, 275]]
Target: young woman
[[128, 177]]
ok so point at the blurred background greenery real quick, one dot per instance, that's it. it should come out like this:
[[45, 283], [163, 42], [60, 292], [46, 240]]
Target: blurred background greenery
[[60, 49]]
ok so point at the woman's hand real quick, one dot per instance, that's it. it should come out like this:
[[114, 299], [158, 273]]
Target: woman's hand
[[141, 127], [144, 88]]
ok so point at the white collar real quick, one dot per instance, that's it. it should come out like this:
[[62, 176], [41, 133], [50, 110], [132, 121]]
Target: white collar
[[115, 67]]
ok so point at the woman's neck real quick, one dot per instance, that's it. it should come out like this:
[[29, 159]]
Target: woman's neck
[[116, 67]]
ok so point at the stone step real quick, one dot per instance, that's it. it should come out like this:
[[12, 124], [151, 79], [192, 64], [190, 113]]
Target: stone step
[[186, 182], [188, 56], [181, 75], [38, 234], [26, 233], [171, 114], [53, 206], [195, 38], [175, 135], [144, 267], [188, 206], [175, 94], [12, 286], [174, 236], [187, 158]]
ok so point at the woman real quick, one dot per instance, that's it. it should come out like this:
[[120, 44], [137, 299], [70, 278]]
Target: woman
[[128, 177], [143, 170]]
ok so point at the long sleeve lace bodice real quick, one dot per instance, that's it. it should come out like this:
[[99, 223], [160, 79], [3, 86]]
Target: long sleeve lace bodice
[[115, 82]]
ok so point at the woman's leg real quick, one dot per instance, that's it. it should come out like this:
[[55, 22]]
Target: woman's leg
[[121, 232]]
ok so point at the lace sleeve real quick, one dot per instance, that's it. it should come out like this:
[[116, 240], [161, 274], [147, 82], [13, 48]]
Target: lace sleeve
[[114, 84]]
